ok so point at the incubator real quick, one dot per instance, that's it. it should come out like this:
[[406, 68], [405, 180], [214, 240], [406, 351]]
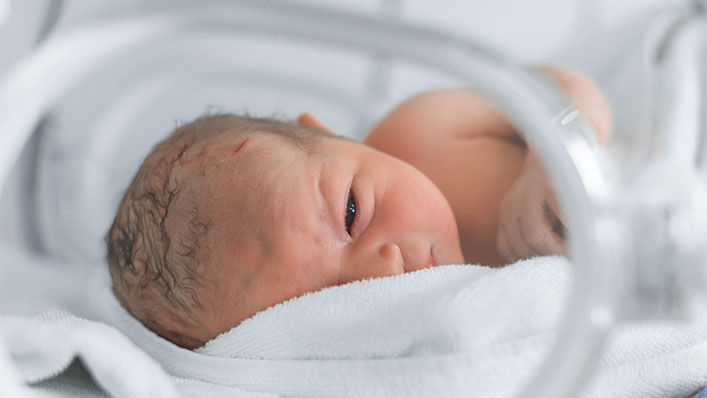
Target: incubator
[[637, 212]]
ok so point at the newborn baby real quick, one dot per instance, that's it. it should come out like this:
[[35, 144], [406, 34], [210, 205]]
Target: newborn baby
[[231, 215]]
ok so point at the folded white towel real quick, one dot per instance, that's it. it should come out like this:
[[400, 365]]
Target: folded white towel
[[44, 346], [435, 311], [450, 330], [654, 359], [447, 331]]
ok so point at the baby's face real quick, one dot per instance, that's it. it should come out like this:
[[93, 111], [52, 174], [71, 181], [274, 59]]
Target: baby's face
[[287, 220]]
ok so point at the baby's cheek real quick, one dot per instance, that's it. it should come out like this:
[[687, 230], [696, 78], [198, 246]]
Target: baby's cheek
[[279, 287]]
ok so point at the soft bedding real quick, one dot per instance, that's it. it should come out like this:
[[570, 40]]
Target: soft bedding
[[448, 331]]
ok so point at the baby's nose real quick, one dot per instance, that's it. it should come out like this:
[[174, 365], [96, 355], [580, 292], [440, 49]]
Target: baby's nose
[[389, 261], [385, 261]]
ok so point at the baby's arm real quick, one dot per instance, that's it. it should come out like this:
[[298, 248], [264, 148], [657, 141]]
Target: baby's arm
[[477, 159]]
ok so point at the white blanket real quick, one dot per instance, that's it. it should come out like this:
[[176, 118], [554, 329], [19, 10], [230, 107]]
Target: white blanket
[[447, 331], [437, 311], [451, 329], [44, 346]]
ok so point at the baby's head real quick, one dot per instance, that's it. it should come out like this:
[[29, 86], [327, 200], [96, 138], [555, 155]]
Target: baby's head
[[230, 215]]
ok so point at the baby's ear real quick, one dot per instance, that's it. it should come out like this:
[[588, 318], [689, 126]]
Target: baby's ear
[[306, 119]]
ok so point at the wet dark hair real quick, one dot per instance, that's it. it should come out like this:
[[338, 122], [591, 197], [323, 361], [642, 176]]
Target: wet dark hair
[[154, 244]]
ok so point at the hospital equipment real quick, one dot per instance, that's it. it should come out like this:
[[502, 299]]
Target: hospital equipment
[[168, 44]]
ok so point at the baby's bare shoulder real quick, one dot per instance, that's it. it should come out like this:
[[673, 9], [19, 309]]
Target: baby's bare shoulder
[[439, 123]]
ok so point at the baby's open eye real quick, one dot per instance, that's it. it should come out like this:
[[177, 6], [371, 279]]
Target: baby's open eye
[[350, 213]]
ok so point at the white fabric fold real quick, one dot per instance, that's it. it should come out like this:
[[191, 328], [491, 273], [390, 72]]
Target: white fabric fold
[[450, 330], [446, 331], [435, 311], [42, 347]]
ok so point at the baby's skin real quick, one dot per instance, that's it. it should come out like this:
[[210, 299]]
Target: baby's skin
[[502, 200], [442, 179]]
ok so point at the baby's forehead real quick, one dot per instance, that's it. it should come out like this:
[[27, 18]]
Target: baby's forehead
[[256, 152], [249, 184], [242, 173]]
